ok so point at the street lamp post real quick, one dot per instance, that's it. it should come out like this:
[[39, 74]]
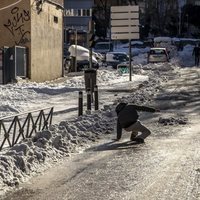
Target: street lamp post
[[180, 5], [75, 50], [187, 16], [179, 25]]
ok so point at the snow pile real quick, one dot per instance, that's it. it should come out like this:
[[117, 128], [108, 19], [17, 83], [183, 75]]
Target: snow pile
[[13, 97], [27, 158], [163, 39], [104, 76], [36, 154], [173, 120], [19, 97], [186, 57], [159, 67], [140, 59]]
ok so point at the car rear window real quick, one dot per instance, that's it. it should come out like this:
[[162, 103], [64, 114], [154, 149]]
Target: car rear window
[[157, 51], [103, 46]]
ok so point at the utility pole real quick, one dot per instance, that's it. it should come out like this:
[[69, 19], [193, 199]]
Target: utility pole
[[91, 40], [179, 24], [76, 38]]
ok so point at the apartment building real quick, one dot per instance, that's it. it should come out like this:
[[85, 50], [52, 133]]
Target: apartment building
[[77, 15]]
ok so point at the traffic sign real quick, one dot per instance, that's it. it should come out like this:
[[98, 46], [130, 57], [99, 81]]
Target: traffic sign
[[125, 25], [125, 29], [124, 22], [124, 9], [123, 36], [124, 15]]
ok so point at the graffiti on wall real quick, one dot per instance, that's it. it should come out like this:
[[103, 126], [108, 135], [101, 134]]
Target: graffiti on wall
[[16, 25]]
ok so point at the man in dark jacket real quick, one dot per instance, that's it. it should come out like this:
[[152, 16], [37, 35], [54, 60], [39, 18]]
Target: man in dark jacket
[[128, 120], [196, 54]]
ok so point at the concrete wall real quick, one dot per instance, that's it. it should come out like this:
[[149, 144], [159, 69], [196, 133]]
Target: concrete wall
[[42, 32], [46, 43]]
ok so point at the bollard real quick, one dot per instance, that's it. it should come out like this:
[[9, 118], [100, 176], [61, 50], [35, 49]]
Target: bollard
[[88, 99], [96, 98], [90, 76], [80, 103]]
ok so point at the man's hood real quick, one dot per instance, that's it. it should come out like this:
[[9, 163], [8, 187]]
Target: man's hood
[[120, 107]]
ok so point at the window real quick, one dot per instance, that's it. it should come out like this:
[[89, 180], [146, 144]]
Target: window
[[78, 12], [55, 19]]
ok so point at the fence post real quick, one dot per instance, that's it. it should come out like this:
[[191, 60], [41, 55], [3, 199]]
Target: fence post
[[88, 99], [96, 98], [80, 103]]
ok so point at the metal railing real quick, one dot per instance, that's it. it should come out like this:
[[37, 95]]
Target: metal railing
[[18, 127]]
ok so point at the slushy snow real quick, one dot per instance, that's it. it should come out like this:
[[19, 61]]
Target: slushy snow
[[71, 134]]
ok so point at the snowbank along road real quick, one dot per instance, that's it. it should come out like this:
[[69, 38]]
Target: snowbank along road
[[167, 166]]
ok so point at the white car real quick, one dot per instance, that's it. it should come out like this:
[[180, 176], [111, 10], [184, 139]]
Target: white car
[[103, 47], [157, 54], [82, 56]]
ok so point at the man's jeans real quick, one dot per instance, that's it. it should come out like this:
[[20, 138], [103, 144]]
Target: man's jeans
[[196, 60], [138, 127]]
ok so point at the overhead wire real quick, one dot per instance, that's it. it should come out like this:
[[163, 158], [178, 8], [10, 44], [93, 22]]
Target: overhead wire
[[8, 6]]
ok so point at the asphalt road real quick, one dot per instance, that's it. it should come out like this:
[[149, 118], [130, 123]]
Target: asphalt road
[[165, 167]]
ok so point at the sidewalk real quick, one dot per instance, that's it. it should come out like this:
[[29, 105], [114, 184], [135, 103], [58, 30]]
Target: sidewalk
[[125, 85]]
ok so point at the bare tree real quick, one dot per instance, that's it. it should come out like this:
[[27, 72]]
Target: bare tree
[[129, 2], [133, 1], [161, 13], [101, 14]]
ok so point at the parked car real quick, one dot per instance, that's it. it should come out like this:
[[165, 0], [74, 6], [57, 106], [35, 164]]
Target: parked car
[[84, 64], [166, 42], [137, 47], [82, 57], [157, 55], [103, 47], [115, 58]]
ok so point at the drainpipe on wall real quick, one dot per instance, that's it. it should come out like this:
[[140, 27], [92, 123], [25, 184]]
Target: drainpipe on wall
[[63, 69]]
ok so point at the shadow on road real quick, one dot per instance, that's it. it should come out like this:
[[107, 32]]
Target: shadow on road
[[116, 145]]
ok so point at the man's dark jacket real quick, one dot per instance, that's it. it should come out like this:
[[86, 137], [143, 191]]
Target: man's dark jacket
[[128, 115], [196, 51]]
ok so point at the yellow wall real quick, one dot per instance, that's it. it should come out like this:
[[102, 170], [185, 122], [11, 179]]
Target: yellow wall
[[21, 24], [15, 23], [46, 43]]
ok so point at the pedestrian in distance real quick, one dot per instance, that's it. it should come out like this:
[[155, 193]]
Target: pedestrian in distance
[[127, 119], [196, 54]]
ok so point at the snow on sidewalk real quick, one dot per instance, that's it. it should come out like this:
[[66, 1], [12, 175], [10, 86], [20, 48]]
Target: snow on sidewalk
[[36, 154]]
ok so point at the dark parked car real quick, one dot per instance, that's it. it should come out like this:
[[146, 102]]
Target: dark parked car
[[81, 65], [103, 47]]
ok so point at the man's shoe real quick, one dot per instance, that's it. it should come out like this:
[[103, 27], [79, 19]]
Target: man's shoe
[[133, 136], [138, 140]]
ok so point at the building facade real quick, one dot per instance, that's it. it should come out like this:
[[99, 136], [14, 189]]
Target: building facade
[[38, 26], [77, 15]]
